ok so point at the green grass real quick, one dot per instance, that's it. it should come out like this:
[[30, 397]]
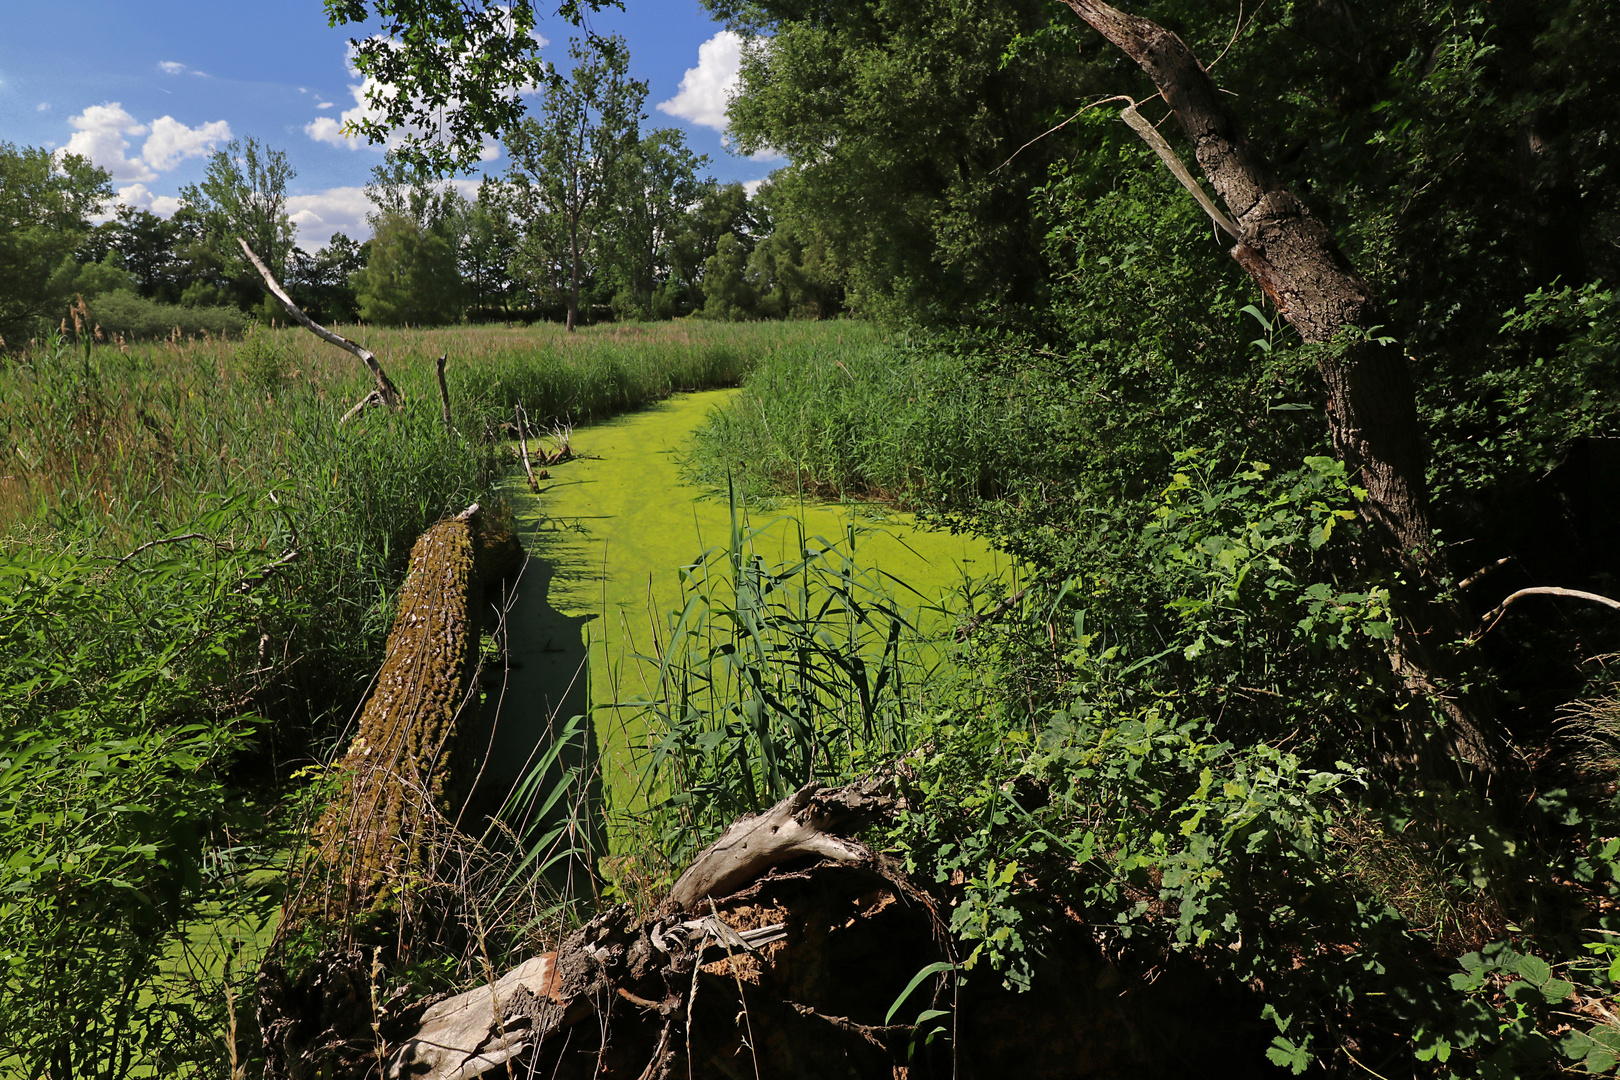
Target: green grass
[[131, 473], [866, 419]]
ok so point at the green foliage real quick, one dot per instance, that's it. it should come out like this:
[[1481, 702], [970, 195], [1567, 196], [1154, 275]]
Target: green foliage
[[44, 207], [410, 277], [481, 56], [117, 685], [137, 318], [243, 195]]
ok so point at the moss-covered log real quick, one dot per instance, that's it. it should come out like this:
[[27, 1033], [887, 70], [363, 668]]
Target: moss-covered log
[[409, 764]]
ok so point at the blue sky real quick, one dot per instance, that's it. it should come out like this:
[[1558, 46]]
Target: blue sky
[[148, 90]]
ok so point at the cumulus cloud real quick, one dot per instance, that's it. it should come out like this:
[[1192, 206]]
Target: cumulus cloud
[[707, 89], [753, 186], [43, 106], [142, 198], [171, 142], [101, 132], [341, 209], [171, 67], [99, 136]]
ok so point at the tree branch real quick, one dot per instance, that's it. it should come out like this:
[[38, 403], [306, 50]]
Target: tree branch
[[386, 393], [1499, 610]]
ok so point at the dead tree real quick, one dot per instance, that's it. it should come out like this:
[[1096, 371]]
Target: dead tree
[[1372, 408], [385, 392]]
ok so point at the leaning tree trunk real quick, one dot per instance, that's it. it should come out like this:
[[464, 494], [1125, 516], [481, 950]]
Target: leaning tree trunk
[[1372, 411]]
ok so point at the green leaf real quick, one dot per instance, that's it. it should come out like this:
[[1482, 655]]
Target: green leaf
[[916, 980]]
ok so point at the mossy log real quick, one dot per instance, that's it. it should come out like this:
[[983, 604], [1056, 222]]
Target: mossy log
[[409, 765]]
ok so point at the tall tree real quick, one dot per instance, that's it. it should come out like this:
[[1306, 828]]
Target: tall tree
[[658, 189], [566, 165], [243, 194], [45, 206]]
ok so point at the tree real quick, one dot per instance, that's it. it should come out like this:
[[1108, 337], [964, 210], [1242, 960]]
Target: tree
[[903, 124], [488, 246], [1372, 408], [243, 194], [449, 73], [410, 274], [566, 165], [45, 206], [659, 186], [724, 210], [322, 282]]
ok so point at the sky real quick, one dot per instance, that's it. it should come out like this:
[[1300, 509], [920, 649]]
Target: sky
[[148, 89]]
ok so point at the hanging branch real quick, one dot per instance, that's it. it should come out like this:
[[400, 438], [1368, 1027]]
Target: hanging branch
[[386, 392], [1545, 590]]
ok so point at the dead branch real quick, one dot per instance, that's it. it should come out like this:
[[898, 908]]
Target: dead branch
[[386, 391], [1172, 161], [1497, 612], [373, 398], [253, 581], [1483, 572], [444, 392], [800, 825], [164, 540], [523, 450]]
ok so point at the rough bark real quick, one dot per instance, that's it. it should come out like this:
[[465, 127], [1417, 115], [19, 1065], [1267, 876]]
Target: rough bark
[[1372, 408], [401, 767]]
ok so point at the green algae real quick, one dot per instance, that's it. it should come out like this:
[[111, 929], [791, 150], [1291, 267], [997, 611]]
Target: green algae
[[607, 535]]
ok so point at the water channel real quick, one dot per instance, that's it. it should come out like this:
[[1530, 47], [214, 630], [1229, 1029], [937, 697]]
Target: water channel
[[605, 537]]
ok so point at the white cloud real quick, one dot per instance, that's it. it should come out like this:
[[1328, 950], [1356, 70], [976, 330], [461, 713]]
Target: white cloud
[[101, 131], [100, 137], [171, 67], [327, 130], [43, 106], [339, 209], [140, 197], [171, 142], [707, 89], [323, 104], [752, 186]]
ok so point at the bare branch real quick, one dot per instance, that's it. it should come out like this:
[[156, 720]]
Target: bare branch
[[523, 451], [375, 397], [1496, 613], [1151, 136], [444, 393], [1483, 572], [387, 392]]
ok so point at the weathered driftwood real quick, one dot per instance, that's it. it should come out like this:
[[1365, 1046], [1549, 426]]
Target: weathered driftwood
[[386, 392], [802, 972], [806, 823], [466, 1036], [402, 766]]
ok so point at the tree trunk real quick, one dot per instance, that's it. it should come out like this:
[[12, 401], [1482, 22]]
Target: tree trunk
[[573, 275], [1372, 411]]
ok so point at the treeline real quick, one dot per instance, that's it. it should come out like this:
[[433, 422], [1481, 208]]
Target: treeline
[[593, 218]]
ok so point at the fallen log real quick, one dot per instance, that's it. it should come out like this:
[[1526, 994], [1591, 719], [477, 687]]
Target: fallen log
[[407, 763]]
